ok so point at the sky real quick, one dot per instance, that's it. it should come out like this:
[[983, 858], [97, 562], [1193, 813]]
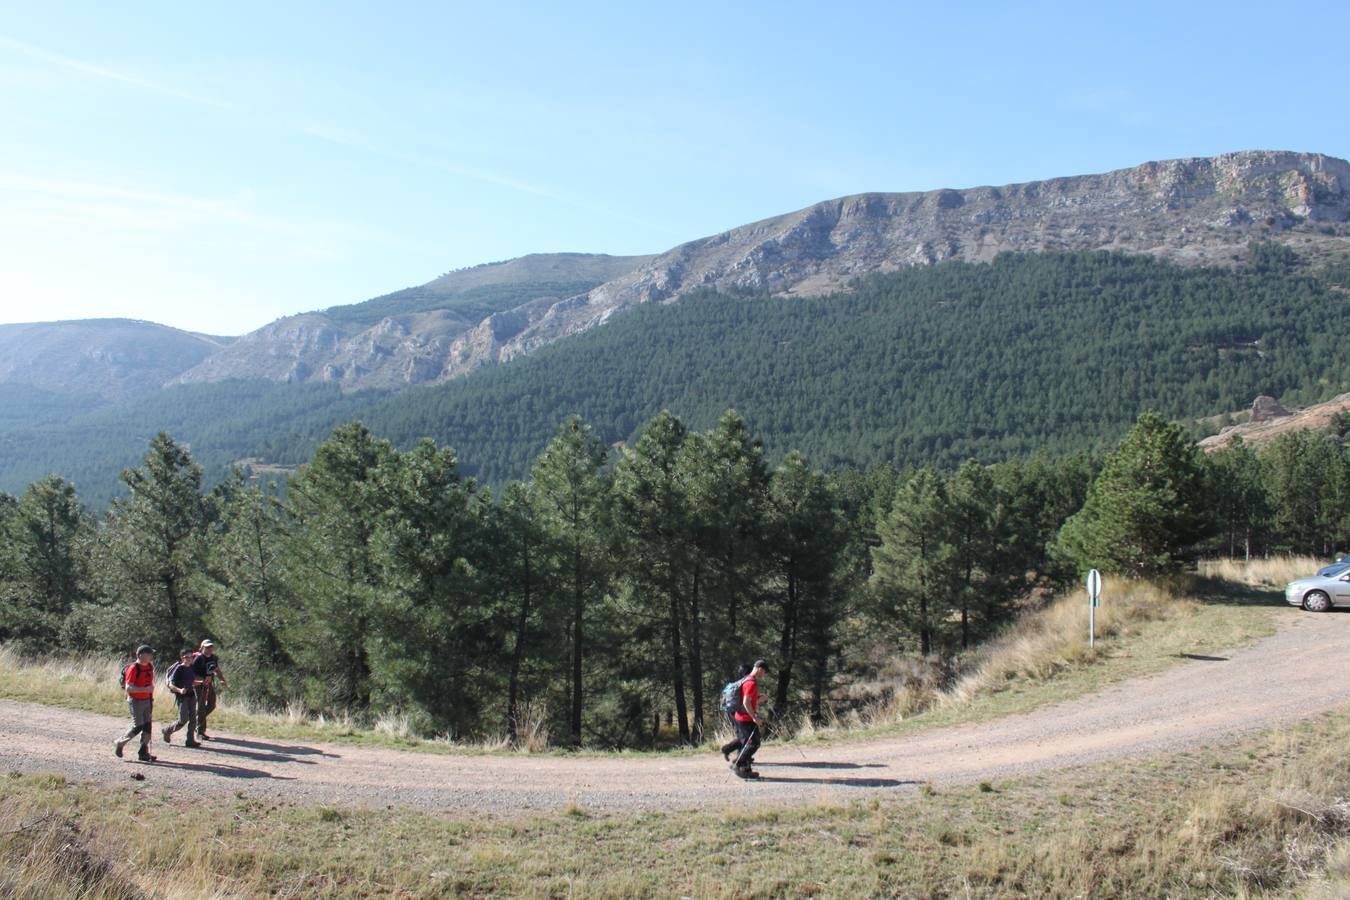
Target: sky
[[216, 166]]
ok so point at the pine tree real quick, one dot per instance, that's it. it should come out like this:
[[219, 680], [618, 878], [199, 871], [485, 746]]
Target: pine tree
[[150, 555], [1146, 511], [250, 595], [430, 626], [44, 571], [573, 501], [915, 570], [725, 482], [1237, 496], [651, 515], [803, 540], [334, 505]]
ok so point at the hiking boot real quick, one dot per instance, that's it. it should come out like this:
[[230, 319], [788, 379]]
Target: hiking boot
[[117, 749], [749, 773], [145, 756], [203, 736], [190, 744], [167, 733]]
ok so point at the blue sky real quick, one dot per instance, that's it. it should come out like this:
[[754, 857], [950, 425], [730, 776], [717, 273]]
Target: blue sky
[[216, 168]]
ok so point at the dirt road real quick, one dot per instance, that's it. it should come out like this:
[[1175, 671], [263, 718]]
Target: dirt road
[[1295, 674]]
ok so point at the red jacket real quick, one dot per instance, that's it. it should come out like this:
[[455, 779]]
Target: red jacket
[[749, 700], [140, 681]]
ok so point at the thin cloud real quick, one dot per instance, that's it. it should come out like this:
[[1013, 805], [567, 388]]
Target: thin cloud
[[318, 131], [94, 70]]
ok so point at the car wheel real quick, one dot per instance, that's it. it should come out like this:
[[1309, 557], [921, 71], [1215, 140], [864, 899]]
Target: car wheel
[[1316, 601]]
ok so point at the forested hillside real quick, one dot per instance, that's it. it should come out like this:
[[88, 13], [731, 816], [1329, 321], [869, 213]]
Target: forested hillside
[[934, 364], [604, 599], [929, 365]]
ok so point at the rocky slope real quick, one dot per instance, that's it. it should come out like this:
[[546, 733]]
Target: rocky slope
[[403, 338], [1265, 423], [105, 358], [1190, 210]]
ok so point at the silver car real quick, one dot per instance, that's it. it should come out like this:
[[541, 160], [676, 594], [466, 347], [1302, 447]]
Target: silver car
[[1319, 593]]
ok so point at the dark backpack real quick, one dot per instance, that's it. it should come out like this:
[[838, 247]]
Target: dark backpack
[[122, 672], [732, 701], [168, 676]]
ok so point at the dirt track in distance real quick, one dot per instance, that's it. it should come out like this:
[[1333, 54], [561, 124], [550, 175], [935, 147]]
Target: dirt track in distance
[[1296, 673]]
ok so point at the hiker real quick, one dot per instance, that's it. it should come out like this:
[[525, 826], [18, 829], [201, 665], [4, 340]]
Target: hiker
[[730, 698], [138, 680], [206, 668], [181, 681], [749, 722]]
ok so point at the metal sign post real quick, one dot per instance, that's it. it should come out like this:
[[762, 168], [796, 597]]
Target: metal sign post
[[1094, 590]]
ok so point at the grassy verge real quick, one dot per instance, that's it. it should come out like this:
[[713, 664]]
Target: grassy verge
[[90, 685], [1264, 816], [1141, 629]]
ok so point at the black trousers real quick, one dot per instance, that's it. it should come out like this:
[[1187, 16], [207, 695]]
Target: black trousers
[[748, 734], [734, 744], [206, 701]]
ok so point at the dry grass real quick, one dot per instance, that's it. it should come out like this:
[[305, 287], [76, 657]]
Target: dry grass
[[1271, 572], [1141, 628], [1054, 639], [1267, 816]]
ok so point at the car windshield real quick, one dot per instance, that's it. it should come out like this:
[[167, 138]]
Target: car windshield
[[1336, 569]]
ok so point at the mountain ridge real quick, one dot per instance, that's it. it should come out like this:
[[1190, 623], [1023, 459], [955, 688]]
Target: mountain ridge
[[1194, 211]]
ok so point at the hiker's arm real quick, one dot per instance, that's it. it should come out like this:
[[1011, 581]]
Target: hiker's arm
[[220, 673]]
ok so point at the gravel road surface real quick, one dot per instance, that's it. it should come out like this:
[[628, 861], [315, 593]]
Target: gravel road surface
[[1298, 672]]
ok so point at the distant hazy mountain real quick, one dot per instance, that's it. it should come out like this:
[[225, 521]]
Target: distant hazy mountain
[[406, 337], [104, 358]]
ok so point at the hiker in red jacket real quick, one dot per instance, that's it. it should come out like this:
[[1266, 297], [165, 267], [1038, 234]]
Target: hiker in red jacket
[[748, 722], [138, 680]]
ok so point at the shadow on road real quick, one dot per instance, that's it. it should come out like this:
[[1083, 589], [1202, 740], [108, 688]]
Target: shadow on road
[[220, 769], [840, 782], [213, 747], [822, 765], [287, 749], [1202, 658]]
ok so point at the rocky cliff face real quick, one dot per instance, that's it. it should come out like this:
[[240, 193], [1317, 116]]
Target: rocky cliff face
[[1192, 211], [359, 346]]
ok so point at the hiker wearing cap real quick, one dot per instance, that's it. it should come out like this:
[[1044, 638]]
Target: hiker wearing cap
[[138, 680], [206, 669], [182, 683], [748, 722]]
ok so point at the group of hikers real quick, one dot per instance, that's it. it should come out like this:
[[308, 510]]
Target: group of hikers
[[191, 680]]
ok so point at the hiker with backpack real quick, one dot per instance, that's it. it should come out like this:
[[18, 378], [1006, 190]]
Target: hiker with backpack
[[748, 721], [730, 701], [206, 668], [181, 681], [138, 681]]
